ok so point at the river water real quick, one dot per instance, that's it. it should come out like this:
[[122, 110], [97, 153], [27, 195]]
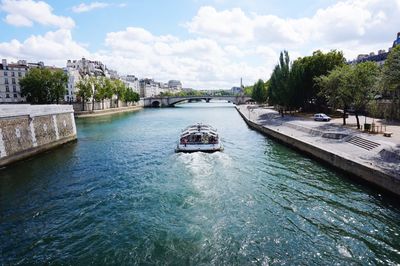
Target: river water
[[120, 195]]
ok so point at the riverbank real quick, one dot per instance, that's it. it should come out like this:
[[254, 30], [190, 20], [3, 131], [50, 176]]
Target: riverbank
[[107, 111], [371, 158]]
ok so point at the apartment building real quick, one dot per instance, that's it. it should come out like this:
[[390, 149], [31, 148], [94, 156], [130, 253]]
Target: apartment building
[[10, 74]]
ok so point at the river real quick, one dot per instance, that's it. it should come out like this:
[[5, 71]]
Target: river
[[120, 195]]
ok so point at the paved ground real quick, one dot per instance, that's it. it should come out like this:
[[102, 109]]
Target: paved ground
[[374, 150]]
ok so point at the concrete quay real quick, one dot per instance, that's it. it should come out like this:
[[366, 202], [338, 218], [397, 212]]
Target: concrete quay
[[371, 158], [107, 111]]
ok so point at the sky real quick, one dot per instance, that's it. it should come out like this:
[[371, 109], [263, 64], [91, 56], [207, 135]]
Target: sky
[[207, 44]]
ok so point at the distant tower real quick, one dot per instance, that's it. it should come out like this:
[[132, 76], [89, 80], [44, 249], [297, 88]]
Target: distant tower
[[241, 83]]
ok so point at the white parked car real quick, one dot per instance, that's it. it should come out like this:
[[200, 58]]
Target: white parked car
[[321, 117]]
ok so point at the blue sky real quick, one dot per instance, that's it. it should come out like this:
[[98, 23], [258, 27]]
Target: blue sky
[[204, 43]]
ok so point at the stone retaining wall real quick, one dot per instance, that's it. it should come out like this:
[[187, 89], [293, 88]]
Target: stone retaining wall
[[26, 130]]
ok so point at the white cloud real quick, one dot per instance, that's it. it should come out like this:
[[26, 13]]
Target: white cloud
[[27, 12], [54, 48], [228, 25], [345, 21], [223, 46], [88, 7]]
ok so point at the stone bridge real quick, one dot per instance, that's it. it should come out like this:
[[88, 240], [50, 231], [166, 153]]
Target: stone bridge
[[169, 101]]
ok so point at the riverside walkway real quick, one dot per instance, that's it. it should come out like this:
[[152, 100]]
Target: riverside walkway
[[370, 157]]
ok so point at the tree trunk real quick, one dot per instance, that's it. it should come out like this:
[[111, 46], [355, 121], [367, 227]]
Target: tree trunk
[[83, 104], [93, 104], [358, 120], [102, 103], [344, 116]]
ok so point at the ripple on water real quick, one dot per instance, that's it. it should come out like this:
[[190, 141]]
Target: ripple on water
[[120, 195]]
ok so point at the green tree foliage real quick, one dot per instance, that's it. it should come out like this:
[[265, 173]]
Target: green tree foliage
[[349, 85], [391, 81], [58, 81], [259, 93], [248, 91], [119, 89], [303, 74], [102, 90], [362, 83], [42, 85], [131, 96], [278, 92], [85, 90]]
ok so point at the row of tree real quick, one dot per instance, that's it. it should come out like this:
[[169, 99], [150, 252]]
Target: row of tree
[[293, 85], [360, 86], [44, 85], [101, 88], [323, 81]]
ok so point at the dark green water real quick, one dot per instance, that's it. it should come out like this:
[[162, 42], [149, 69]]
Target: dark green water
[[120, 195]]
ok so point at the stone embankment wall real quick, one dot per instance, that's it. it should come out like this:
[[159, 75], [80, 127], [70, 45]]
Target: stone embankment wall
[[106, 105], [26, 130]]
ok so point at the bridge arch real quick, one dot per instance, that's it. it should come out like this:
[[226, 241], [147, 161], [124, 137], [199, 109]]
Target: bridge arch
[[155, 104]]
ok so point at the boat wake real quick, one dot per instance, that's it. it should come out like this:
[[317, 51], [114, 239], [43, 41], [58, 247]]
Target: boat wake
[[204, 164]]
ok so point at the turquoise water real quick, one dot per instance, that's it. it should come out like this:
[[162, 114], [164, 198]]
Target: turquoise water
[[120, 195]]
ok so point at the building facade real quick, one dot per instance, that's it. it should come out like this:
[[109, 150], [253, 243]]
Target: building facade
[[10, 74], [148, 88], [174, 85], [132, 82], [73, 78]]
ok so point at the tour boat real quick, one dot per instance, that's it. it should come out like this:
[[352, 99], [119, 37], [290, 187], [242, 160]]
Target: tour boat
[[199, 137]]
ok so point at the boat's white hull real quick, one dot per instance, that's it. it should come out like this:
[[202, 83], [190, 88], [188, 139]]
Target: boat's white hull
[[198, 147]]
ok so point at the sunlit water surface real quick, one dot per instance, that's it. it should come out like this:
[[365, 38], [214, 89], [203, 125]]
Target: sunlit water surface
[[120, 195]]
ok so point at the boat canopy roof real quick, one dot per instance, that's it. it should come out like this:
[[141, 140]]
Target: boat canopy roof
[[199, 129]]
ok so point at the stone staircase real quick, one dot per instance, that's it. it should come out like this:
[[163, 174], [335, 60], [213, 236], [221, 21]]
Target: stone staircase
[[363, 143]]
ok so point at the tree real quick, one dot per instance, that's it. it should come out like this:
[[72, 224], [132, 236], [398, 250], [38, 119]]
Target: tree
[[334, 88], [259, 93], [42, 85], [58, 83], [362, 82], [303, 73], [391, 80], [103, 90], [131, 96], [278, 92], [248, 91], [350, 85], [85, 90], [119, 89]]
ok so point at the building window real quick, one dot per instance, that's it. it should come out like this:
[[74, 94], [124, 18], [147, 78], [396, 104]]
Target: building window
[[15, 95], [6, 80], [12, 74], [5, 73], [7, 95], [14, 88], [7, 88], [19, 74], [13, 80]]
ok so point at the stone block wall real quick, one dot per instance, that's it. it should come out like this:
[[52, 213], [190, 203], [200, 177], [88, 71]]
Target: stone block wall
[[26, 130]]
